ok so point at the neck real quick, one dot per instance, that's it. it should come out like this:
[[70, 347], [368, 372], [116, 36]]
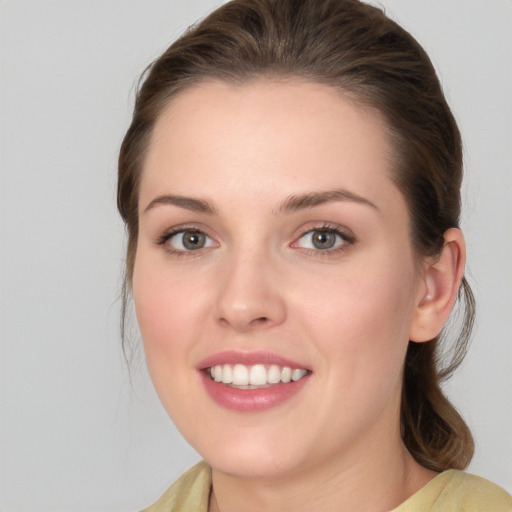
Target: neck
[[377, 480]]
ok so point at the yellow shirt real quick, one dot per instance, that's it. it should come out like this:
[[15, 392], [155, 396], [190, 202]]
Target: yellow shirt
[[451, 491]]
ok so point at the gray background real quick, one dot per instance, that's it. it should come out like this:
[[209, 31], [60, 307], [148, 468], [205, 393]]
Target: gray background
[[74, 434]]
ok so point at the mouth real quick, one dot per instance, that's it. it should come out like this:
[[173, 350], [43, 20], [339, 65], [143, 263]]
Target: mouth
[[249, 382], [258, 376]]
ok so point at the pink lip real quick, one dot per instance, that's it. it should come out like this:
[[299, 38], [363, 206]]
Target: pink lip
[[250, 400], [248, 358]]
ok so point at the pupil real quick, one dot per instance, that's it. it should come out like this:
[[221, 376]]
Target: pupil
[[324, 239], [193, 240]]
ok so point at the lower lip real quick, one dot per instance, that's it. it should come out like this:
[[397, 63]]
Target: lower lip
[[251, 400]]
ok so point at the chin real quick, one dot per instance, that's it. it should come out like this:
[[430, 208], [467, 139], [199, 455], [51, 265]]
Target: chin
[[252, 459]]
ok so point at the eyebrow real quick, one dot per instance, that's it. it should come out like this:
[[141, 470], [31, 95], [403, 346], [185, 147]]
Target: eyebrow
[[188, 203], [304, 201], [291, 204]]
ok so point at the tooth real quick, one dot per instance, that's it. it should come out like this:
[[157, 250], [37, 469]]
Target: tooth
[[218, 373], [240, 375], [274, 374], [212, 372], [258, 375], [286, 374], [227, 374], [298, 374]]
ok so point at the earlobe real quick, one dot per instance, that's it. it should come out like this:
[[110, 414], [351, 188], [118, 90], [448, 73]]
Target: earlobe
[[441, 281]]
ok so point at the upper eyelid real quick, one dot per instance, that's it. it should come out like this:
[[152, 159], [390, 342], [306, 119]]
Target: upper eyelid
[[325, 226], [192, 226]]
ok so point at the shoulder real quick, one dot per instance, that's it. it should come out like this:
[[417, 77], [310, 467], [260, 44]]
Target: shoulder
[[458, 491], [473, 493], [190, 493]]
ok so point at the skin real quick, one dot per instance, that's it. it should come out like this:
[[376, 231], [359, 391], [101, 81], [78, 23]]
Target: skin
[[346, 313]]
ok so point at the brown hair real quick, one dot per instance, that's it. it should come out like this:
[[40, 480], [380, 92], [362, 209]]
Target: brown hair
[[354, 47]]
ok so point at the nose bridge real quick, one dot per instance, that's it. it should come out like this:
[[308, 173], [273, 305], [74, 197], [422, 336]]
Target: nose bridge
[[249, 295]]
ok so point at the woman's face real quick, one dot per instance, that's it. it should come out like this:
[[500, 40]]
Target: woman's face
[[272, 238]]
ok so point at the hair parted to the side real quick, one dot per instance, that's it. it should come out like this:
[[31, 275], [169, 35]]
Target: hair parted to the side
[[355, 48]]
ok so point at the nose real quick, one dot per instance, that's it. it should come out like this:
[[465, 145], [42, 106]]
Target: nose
[[250, 295]]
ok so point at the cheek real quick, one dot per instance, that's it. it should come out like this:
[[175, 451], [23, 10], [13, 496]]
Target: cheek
[[369, 295], [361, 319], [154, 312], [364, 342], [161, 308]]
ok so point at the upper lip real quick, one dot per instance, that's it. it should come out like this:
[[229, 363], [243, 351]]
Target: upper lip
[[248, 359]]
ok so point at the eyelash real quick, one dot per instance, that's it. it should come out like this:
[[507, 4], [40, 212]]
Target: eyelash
[[168, 235], [347, 240]]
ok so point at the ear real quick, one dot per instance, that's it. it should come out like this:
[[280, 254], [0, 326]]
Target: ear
[[439, 288]]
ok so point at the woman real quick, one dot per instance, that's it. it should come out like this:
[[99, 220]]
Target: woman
[[291, 187]]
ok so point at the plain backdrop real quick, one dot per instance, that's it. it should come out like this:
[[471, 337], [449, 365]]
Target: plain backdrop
[[75, 434]]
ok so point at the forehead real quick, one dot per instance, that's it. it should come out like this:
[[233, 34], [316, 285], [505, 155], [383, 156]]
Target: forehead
[[263, 135]]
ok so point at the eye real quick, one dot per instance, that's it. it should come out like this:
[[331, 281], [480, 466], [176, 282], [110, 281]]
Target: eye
[[186, 240], [323, 239]]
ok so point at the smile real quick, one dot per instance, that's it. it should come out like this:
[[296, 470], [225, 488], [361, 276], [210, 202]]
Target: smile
[[257, 376], [251, 382]]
